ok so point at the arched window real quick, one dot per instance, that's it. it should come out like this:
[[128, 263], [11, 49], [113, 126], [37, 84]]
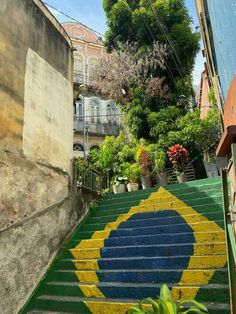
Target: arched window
[[95, 111], [112, 113], [78, 68], [92, 64], [78, 147], [96, 147]]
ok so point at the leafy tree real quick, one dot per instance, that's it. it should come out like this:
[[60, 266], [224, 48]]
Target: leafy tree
[[148, 21], [141, 80]]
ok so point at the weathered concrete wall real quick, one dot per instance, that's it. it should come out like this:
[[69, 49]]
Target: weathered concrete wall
[[37, 207], [27, 249], [31, 30], [36, 96], [47, 130]]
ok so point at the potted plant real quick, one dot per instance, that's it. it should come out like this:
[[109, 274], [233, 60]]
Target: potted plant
[[179, 156], [158, 164], [144, 161], [165, 304], [119, 184], [133, 172]]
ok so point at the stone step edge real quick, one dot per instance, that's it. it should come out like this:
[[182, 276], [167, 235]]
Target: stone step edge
[[105, 300], [153, 194], [97, 210], [225, 270], [141, 258], [200, 215], [136, 285], [151, 246], [155, 200], [155, 234], [148, 227]]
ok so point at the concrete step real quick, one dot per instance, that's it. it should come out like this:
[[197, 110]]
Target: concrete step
[[191, 277], [102, 306], [175, 238], [163, 262], [151, 250], [161, 215], [109, 212], [217, 293]]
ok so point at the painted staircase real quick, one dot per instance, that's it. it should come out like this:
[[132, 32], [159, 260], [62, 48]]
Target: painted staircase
[[134, 242]]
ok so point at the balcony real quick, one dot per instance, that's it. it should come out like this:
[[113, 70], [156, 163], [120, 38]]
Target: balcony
[[80, 78], [98, 128]]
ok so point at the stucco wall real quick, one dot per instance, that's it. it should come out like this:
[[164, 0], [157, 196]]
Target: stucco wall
[[48, 111], [37, 207], [24, 26]]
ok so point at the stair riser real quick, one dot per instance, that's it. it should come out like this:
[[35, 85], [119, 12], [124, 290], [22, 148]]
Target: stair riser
[[137, 292], [80, 307], [206, 208], [171, 204], [184, 193], [151, 251], [191, 277], [199, 262], [151, 220], [176, 238], [63, 306], [160, 229], [188, 196]]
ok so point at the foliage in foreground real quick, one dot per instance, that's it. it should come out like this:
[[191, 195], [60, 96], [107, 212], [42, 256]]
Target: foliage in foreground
[[165, 304]]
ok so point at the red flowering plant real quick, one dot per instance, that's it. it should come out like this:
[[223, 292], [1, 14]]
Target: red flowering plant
[[179, 156]]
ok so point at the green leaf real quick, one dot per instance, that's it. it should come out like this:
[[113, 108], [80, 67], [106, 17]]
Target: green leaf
[[154, 304], [192, 309], [165, 294], [199, 305]]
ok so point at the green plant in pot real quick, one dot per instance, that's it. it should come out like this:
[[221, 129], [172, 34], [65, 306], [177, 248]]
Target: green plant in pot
[[179, 156], [119, 182], [144, 160], [133, 172], [165, 304], [158, 157]]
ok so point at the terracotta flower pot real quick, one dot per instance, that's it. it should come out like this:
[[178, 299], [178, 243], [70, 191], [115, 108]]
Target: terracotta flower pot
[[132, 187]]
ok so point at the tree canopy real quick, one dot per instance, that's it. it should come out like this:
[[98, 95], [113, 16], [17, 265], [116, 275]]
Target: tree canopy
[[147, 21], [137, 29]]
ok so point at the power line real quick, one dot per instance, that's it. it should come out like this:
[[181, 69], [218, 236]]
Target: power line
[[72, 18], [163, 28]]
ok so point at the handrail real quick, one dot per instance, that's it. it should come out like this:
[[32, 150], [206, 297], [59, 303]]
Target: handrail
[[84, 176], [230, 240]]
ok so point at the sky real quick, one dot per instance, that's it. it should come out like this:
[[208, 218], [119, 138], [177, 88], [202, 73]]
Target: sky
[[90, 13]]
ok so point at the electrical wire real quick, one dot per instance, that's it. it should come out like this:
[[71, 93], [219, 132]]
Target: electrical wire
[[72, 18]]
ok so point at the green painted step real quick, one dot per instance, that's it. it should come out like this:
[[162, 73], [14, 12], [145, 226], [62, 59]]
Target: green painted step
[[76, 305], [61, 292]]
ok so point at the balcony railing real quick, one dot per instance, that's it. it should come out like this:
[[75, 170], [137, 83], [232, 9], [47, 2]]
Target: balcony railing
[[105, 128], [80, 78]]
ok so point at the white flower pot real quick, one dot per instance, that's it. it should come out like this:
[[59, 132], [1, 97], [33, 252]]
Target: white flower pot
[[132, 187], [119, 188]]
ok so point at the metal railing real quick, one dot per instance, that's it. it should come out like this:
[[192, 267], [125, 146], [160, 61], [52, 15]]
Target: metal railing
[[172, 177], [229, 219], [81, 78], [84, 176], [105, 128]]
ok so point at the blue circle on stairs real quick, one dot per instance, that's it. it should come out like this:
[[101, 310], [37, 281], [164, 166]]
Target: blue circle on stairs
[[147, 250]]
